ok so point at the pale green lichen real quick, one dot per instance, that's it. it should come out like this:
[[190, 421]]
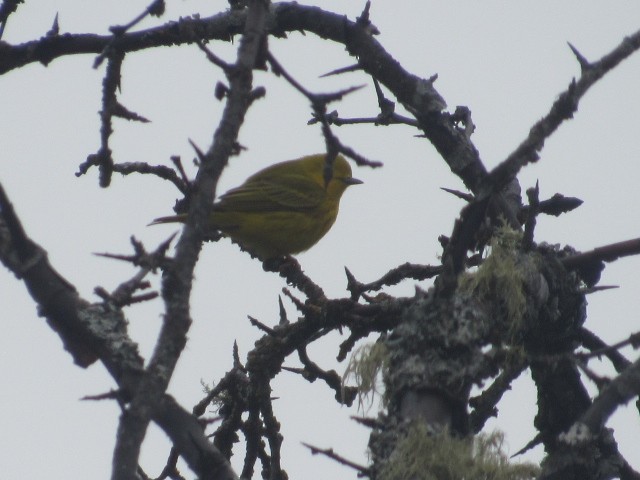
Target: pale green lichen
[[420, 455], [501, 276], [365, 368]]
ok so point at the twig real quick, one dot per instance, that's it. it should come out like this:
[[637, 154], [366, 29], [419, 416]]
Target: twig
[[213, 58], [102, 158], [319, 103], [392, 277], [484, 405], [156, 8], [608, 253], [619, 391], [160, 171], [170, 469], [289, 269], [362, 471], [562, 109], [598, 348], [344, 395], [557, 205]]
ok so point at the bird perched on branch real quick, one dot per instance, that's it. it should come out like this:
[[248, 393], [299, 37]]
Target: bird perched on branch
[[281, 210]]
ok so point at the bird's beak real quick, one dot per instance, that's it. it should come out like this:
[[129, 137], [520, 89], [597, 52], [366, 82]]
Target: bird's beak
[[351, 181]]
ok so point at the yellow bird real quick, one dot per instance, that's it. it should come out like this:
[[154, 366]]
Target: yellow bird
[[281, 210]]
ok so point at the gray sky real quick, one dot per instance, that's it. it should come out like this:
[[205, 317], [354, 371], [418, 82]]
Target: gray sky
[[506, 61]]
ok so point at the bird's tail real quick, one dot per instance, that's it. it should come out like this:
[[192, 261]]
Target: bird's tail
[[170, 219]]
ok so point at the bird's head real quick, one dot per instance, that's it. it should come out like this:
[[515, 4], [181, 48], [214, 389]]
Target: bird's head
[[341, 178]]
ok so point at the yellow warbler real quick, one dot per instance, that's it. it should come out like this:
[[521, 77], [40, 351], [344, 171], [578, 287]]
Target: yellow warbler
[[284, 209]]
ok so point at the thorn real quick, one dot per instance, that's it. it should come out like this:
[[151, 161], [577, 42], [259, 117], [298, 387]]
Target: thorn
[[137, 245], [339, 95], [464, 196], [367, 422], [142, 298], [119, 110], [364, 21], [177, 162], [283, 313], [55, 28], [339, 71], [533, 195], [532, 443], [387, 107], [587, 291], [236, 355], [353, 285], [261, 326], [200, 153], [113, 394], [113, 256], [584, 63], [293, 369], [350, 278]]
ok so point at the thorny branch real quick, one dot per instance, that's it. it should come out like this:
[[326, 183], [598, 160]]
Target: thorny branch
[[247, 389], [91, 331]]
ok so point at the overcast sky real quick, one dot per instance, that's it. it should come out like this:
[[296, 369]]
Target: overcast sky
[[506, 61]]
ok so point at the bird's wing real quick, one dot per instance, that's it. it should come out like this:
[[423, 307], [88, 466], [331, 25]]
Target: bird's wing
[[276, 194]]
